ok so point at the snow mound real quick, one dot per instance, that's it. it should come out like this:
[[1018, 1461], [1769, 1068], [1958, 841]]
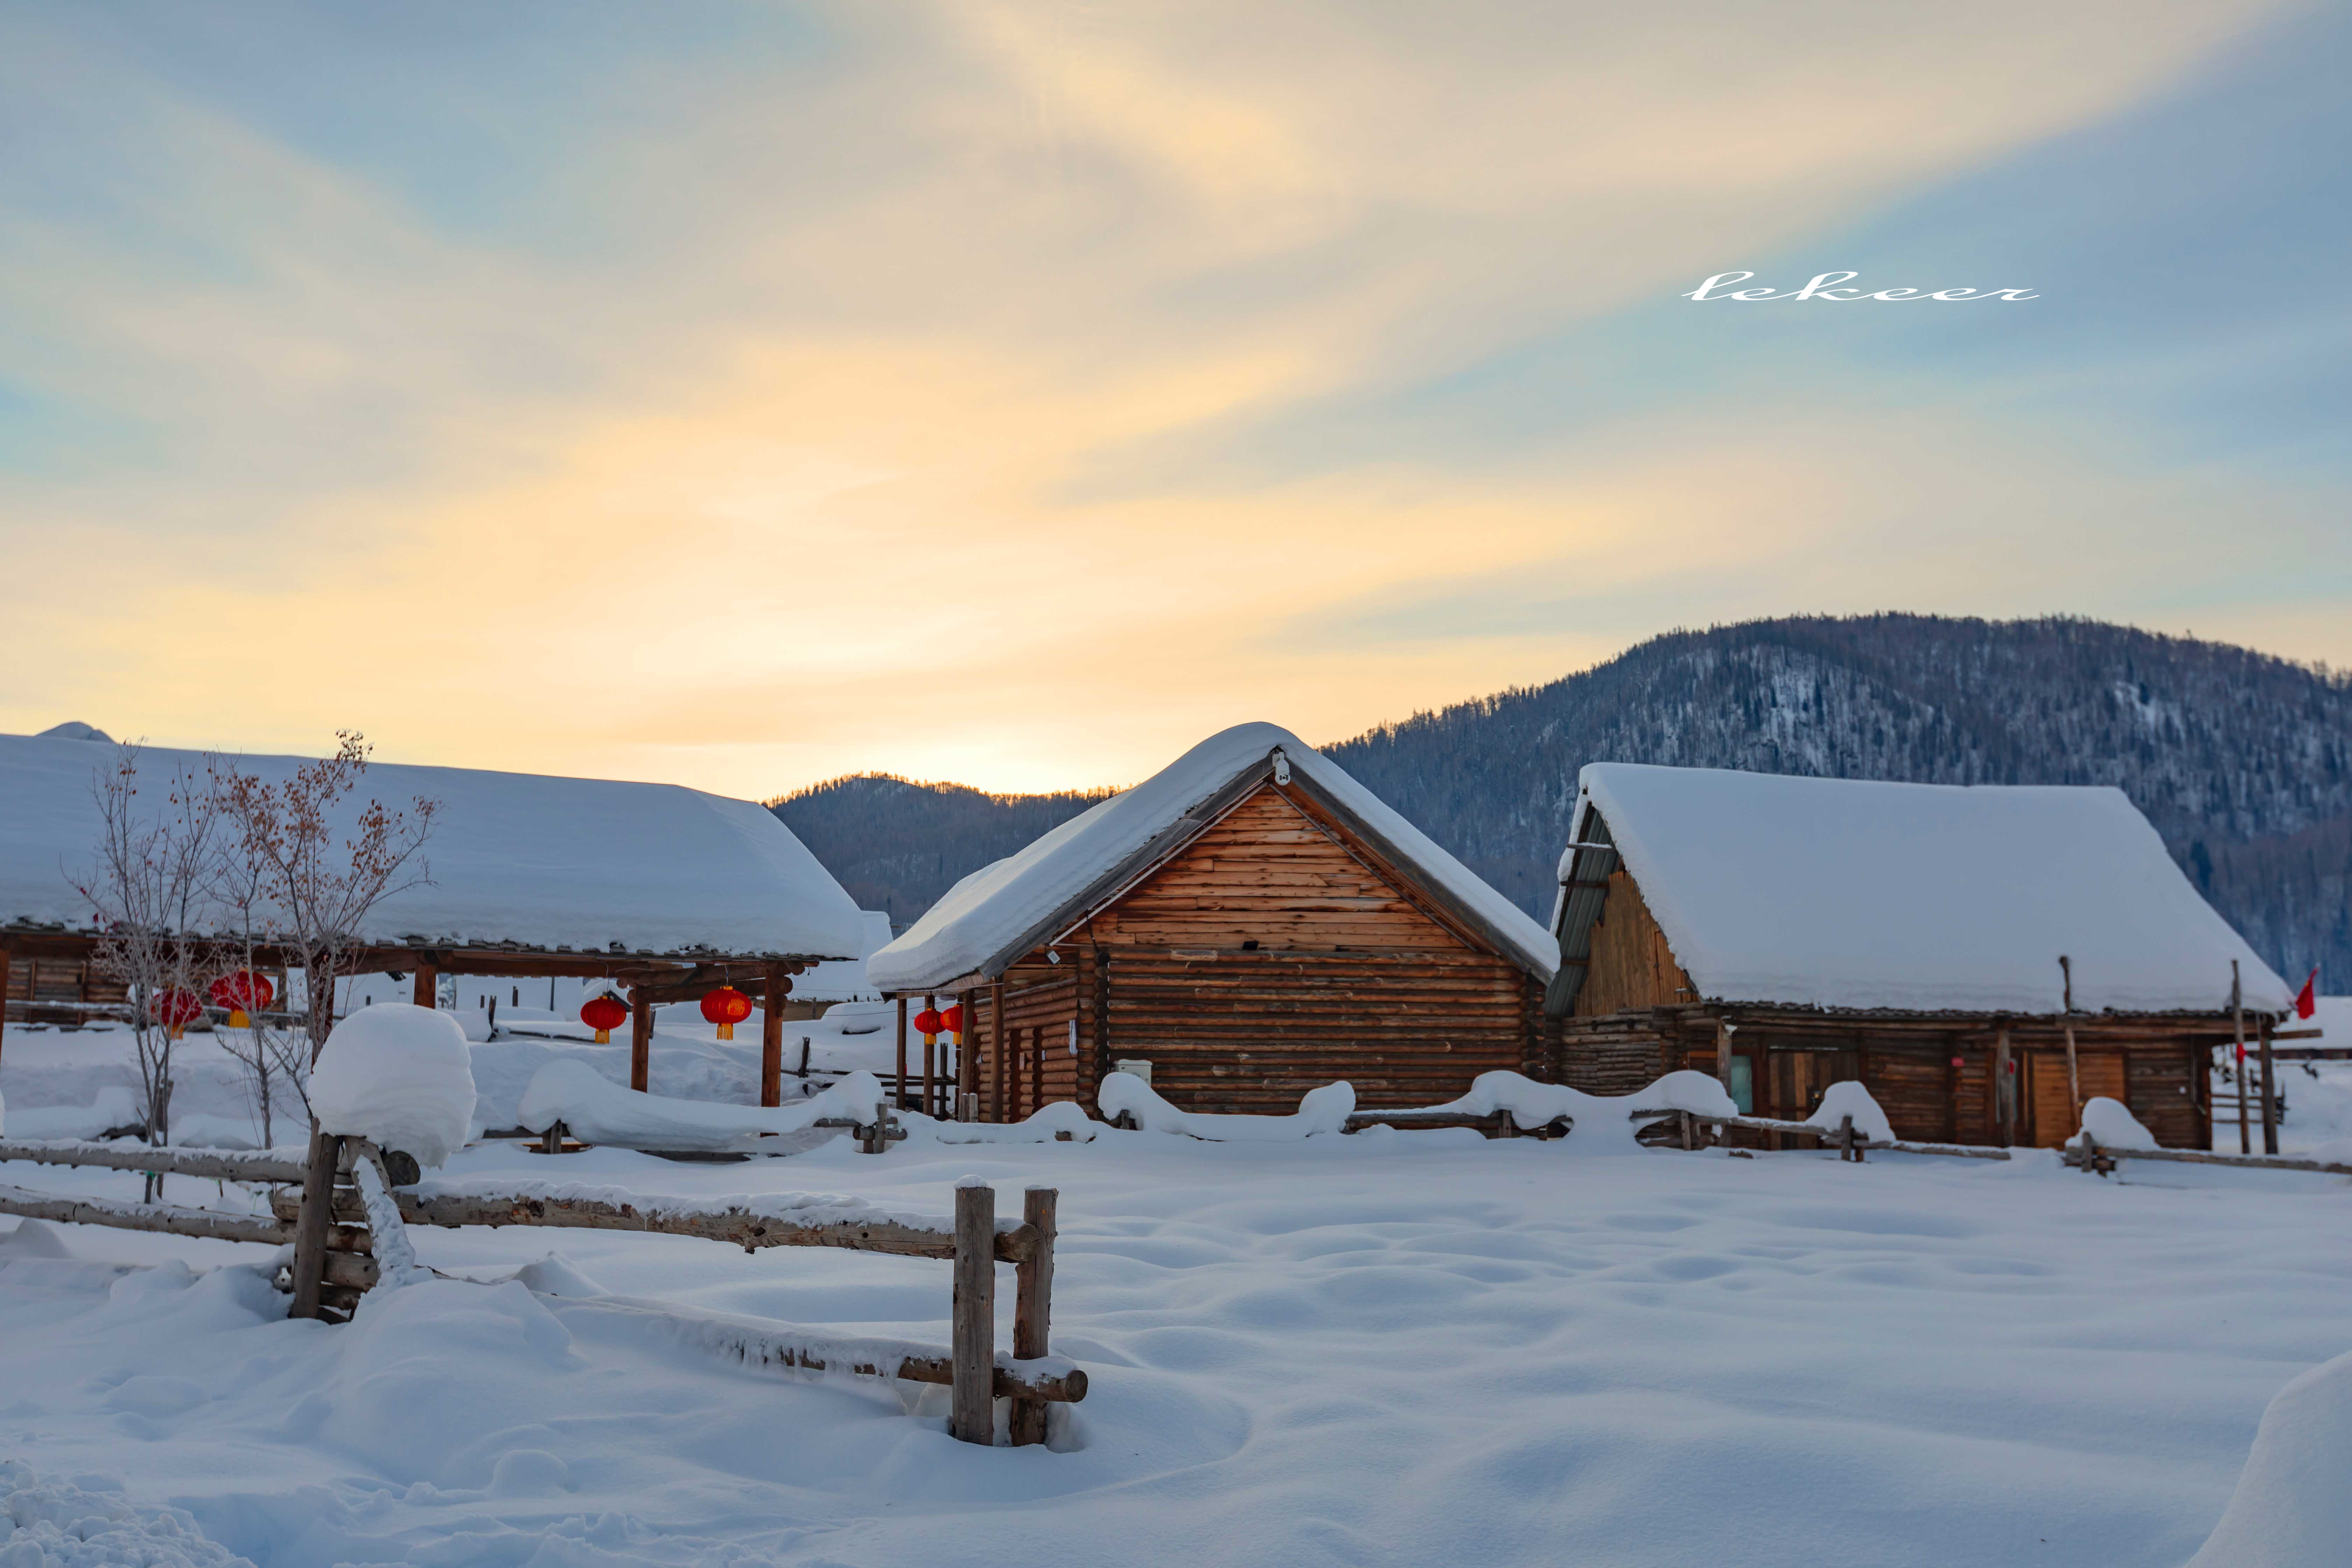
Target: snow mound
[[1850, 1099], [56, 1524], [399, 1075], [1044, 1125], [2111, 1125], [31, 1238], [1324, 1109], [2292, 1507], [599, 1110]]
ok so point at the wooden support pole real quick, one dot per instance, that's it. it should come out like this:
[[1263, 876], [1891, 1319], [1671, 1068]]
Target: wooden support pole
[[771, 1035], [930, 1063], [2004, 1090], [7, 961], [902, 1061], [1000, 1051], [311, 1226], [641, 1038], [1036, 1068], [2238, 1064], [2270, 1104], [1033, 1309], [425, 987], [973, 1331]]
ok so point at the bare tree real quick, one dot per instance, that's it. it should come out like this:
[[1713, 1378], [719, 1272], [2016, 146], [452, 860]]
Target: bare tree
[[314, 887], [150, 894], [274, 1056]]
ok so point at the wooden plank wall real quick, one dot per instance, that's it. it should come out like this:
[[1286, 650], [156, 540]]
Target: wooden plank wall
[[1632, 964], [1268, 958]]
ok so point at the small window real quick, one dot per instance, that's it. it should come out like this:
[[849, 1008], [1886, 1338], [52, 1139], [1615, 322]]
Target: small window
[[1743, 1085]]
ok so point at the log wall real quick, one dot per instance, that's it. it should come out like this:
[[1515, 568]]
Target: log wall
[[1933, 1076], [1272, 955]]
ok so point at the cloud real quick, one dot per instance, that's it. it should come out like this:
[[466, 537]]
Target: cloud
[[1007, 392]]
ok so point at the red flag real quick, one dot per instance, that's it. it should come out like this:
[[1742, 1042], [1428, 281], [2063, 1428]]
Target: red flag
[[2306, 1002]]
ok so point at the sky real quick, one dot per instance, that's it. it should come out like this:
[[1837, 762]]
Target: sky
[[742, 395]]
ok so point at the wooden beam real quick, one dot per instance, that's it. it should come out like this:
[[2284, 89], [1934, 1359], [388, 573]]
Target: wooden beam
[[736, 1226], [771, 1035], [424, 990], [641, 1040], [164, 1218], [2270, 1104], [998, 1051], [902, 1101]]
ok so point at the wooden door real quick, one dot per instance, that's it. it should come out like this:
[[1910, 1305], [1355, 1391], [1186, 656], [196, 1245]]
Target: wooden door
[[2051, 1098]]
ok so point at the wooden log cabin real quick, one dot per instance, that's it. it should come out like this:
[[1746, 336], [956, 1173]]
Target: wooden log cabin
[[667, 892], [1252, 923], [1981, 958]]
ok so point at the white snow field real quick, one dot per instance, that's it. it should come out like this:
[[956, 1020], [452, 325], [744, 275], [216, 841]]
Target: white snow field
[[1389, 1348]]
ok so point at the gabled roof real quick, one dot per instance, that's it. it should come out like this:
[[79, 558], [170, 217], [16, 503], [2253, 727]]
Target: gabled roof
[[591, 864], [1005, 910], [1847, 893]]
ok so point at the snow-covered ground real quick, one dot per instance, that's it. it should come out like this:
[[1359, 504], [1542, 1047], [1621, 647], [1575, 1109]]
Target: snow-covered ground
[[1393, 1348]]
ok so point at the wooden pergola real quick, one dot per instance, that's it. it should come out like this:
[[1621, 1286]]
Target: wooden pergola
[[649, 979]]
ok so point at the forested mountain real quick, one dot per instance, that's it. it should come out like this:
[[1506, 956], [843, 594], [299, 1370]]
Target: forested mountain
[[896, 845], [2243, 761]]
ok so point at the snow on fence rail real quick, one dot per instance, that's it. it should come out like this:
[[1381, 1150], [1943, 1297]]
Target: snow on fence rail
[[2089, 1153]]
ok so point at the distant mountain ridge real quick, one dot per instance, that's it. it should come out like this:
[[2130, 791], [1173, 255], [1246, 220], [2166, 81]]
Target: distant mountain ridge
[[2243, 761]]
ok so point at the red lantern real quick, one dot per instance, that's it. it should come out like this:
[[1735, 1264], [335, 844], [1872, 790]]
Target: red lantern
[[603, 1012], [242, 994], [928, 1023], [175, 1009], [953, 1020], [725, 1007]]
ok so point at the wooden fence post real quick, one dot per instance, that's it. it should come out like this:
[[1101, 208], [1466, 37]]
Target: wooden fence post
[[778, 985], [311, 1226], [973, 1328], [1033, 1308]]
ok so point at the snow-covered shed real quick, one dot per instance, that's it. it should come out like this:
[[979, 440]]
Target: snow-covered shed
[[1983, 958], [665, 890], [1251, 921]]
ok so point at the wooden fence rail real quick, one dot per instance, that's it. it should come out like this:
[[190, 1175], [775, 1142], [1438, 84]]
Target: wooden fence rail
[[217, 1164], [2093, 1156]]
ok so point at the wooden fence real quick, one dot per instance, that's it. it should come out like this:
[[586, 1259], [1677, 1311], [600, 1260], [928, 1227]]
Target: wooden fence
[[1692, 1129], [348, 1224]]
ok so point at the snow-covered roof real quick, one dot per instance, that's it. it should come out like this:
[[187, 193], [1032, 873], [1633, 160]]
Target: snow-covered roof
[[1003, 910], [1920, 898], [591, 864], [844, 980]]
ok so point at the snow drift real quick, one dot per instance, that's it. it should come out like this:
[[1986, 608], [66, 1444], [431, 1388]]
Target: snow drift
[[2293, 1507], [1324, 1109], [599, 1110], [400, 1074]]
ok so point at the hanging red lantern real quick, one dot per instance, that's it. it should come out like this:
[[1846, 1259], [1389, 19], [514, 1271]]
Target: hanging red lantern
[[175, 1009], [243, 994], [953, 1020], [725, 1007], [928, 1023], [603, 1012]]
